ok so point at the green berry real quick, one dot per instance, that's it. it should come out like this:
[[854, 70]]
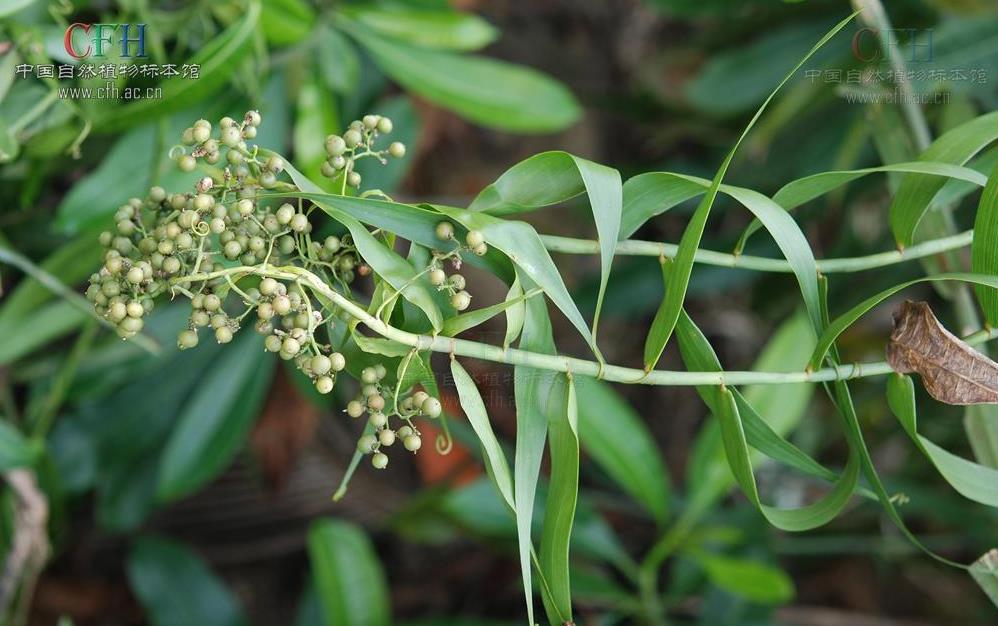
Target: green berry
[[376, 402], [201, 133], [268, 286], [353, 179], [380, 371], [275, 164], [404, 432], [212, 302], [337, 362], [385, 126], [299, 223], [253, 118], [461, 300], [272, 343], [223, 334], [135, 275], [368, 376], [386, 437], [331, 244], [412, 443], [379, 460], [445, 230], [116, 312], [474, 238], [457, 282], [135, 309], [397, 149], [355, 408], [438, 276], [366, 444], [291, 346], [320, 364], [282, 305], [352, 138], [187, 339], [431, 407], [335, 146], [371, 121], [284, 213], [378, 420], [324, 384]]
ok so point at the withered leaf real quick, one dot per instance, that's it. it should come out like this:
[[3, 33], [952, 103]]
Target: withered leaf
[[951, 370]]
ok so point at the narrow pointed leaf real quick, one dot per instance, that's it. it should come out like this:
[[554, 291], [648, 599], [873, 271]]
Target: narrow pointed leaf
[[348, 577], [984, 250]]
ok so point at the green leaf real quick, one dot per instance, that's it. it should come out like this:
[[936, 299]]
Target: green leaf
[[338, 62], [552, 177], [381, 345], [9, 147], [348, 577], [916, 191], [752, 580], [214, 422], [9, 7], [981, 423], [844, 321], [985, 573], [460, 323], [48, 323], [474, 408], [15, 449], [973, 481], [530, 387], [680, 274], [514, 314], [218, 59], [315, 118], [448, 30], [487, 91], [618, 441], [520, 242], [286, 21], [984, 251], [802, 190], [176, 588], [563, 493]]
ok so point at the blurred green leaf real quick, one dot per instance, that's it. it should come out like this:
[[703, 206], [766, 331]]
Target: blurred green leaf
[[752, 580], [916, 191], [348, 577], [487, 91], [615, 436], [286, 21], [985, 572], [338, 63], [981, 423], [215, 420], [176, 588], [219, 59], [49, 322], [9, 148], [449, 30], [9, 7], [984, 251], [316, 117], [15, 449]]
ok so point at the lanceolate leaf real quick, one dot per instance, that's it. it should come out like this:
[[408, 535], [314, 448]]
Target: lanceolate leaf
[[348, 576], [675, 293], [460, 323], [985, 572], [974, 481], [552, 177], [563, 492], [765, 584], [444, 29], [916, 191], [951, 371], [984, 250]]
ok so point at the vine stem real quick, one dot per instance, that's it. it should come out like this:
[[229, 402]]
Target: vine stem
[[558, 363], [634, 247]]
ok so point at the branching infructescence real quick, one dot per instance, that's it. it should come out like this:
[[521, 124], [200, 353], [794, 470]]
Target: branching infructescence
[[182, 243]]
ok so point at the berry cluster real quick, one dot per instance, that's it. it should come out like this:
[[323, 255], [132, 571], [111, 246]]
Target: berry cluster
[[356, 143], [234, 250], [372, 401]]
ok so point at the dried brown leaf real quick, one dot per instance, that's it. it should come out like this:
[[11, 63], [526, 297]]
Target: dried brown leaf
[[952, 371]]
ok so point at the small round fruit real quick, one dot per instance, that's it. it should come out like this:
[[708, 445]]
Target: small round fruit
[[299, 223], [385, 126], [291, 346], [461, 300], [397, 149], [445, 230], [366, 444], [380, 370], [438, 276], [335, 146], [324, 384], [457, 282], [331, 244], [212, 302], [368, 375], [371, 121], [386, 437], [135, 275], [268, 286], [378, 420], [431, 407], [223, 334], [474, 238], [187, 339], [337, 362], [353, 179], [352, 138], [379, 460], [355, 408], [321, 364], [412, 443], [480, 250], [376, 402], [404, 432], [282, 305]]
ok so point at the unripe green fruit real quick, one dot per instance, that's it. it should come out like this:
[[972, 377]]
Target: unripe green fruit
[[412, 443], [353, 179], [268, 286], [268, 179], [335, 146], [378, 420], [380, 370], [299, 223], [404, 432], [366, 444], [135, 276], [480, 250], [131, 325], [282, 305], [187, 137], [327, 170], [386, 437], [272, 343], [291, 345], [457, 282], [157, 194], [461, 300], [171, 265], [371, 121], [232, 249], [352, 138], [253, 118], [116, 312], [265, 311], [379, 460], [212, 302], [385, 126], [321, 364], [397, 149], [431, 407], [249, 132], [368, 376], [438, 276], [201, 134], [355, 408], [376, 402], [474, 238], [223, 334], [200, 318], [135, 309], [419, 398], [445, 230], [187, 339], [231, 137], [219, 320], [324, 384], [284, 213], [332, 243]]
